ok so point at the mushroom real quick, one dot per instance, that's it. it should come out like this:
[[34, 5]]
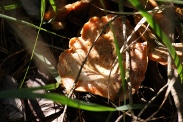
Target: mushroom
[[63, 9], [160, 53], [79, 9], [94, 77]]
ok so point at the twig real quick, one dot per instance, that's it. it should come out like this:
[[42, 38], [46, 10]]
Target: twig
[[149, 103], [177, 104], [130, 115], [171, 81], [176, 92]]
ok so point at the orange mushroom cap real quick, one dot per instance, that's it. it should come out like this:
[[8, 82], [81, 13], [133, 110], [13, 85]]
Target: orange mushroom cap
[[94, 77]]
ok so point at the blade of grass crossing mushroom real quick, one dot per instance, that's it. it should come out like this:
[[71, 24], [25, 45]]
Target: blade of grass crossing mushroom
[[121, 9], [122, 71], [120, 61], [127, 62], [118, 55], [161, 34]]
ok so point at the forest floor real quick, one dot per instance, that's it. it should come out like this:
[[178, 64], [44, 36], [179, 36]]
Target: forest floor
[[16, 45]]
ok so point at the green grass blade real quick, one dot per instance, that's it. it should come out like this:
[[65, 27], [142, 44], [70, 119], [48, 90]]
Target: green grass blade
[[161, 34], [120, 60], [34, 47], [10, 7], [29, 24], [130, 107], [30, 93], [53, 4], [46, 87], [42, 10]]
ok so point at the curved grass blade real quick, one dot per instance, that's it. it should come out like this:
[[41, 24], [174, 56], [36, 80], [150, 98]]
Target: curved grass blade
[[10, 7], [30, 93], [53, 4], [46, 87], [34, 47], [161, 34], [29, 24]]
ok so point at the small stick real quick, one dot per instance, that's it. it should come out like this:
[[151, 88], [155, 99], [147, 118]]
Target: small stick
[[170, 83], [177, 104]]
